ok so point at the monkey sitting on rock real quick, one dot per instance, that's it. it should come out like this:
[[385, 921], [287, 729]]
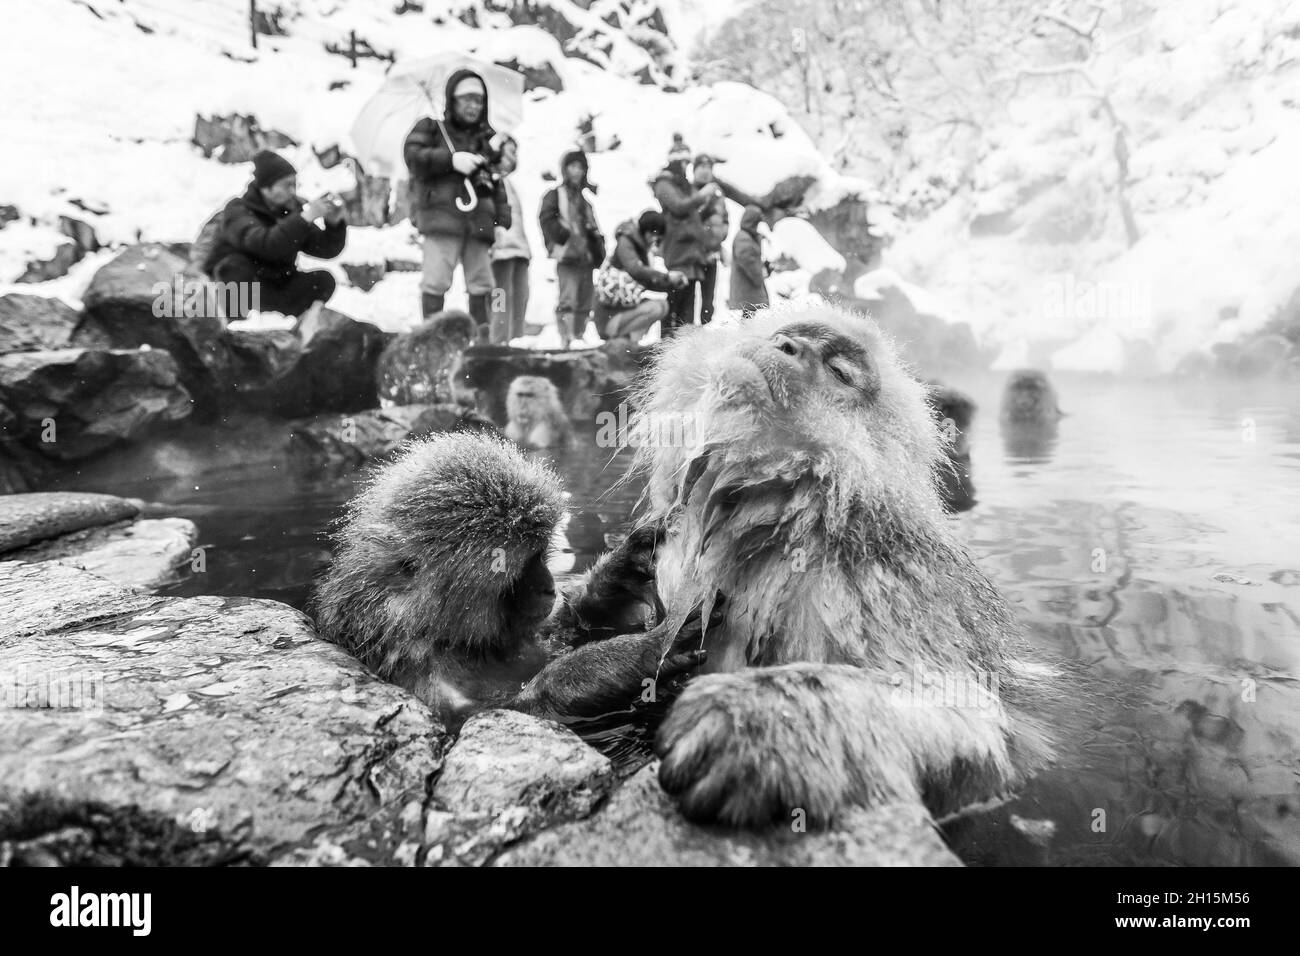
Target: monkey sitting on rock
[[440, 584], [535, 416], [864, 657]]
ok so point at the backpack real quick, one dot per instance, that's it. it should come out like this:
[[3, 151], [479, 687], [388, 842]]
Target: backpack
[[616, 289], [204, 248]]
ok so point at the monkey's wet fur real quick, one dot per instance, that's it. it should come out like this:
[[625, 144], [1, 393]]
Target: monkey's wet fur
[[805, 493], [808, 498], [439, 584]]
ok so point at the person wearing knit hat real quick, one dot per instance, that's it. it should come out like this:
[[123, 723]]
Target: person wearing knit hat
[[262, 232], [684, 246]]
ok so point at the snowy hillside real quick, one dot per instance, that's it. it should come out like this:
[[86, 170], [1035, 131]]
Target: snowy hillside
[[103, 97], [1035, 251]]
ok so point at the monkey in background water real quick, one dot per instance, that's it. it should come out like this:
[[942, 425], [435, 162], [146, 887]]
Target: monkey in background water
[[440, 584], [955, 412], [535, 415], [1030, 415], [806, 497]]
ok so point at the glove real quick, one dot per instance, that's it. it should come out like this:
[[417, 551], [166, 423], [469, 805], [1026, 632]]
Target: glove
[[466, 163]]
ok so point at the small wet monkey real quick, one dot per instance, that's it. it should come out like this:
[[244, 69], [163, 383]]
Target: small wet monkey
[[440, 584], [1030, 416], [534, 414]]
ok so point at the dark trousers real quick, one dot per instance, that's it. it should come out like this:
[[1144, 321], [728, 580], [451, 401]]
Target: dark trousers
[[681, 310], [708, 284], [273, 292]]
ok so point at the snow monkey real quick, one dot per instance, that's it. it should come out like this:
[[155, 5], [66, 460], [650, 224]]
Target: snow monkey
[[534, 415], [1030, 415], [439, 584], [863, 657]]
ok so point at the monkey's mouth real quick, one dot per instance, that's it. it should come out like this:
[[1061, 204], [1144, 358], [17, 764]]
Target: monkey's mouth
[[742, 379]]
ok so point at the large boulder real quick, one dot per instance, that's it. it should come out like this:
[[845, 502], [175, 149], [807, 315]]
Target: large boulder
[[137, 554], [225, 718], [32, 323], [357, 438], [73, 403], [28, 518], [264, 363], [140, 298], [503, 758]]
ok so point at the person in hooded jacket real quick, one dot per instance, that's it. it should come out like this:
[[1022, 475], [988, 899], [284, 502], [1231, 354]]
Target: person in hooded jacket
[[260, 234], [446, 159], [748, 273], [635, 242], [687, 240], [574, 241]]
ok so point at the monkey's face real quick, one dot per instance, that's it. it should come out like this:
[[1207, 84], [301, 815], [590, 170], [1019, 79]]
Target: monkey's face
[[530, 399], [805, 388], [1028, 395], [531, 596], [810, 364]]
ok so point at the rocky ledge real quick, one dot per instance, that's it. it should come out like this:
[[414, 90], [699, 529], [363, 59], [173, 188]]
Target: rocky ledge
[[149, 730]]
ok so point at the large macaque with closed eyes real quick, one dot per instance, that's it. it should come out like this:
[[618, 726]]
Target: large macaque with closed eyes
[[863, 657]]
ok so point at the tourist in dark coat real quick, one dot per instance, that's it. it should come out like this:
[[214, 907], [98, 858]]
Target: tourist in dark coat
[[262, 232], [634, 244], [443, 173], [748, 273], [687, 242]]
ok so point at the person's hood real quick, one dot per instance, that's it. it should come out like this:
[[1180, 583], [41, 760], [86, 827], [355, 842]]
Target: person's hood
[[751, 218], [675, 173], [452, 82], [629, 228], [570, 155]]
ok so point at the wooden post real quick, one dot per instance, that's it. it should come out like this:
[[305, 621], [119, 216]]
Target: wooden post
[[252, 21]]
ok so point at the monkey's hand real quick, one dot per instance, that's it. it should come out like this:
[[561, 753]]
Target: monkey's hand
[[600, 677], [755, 747], [619, 592]]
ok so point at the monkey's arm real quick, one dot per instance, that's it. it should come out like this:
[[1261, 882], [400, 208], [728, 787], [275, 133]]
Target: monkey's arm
[[610, 674], [750, 747], [616, 596]]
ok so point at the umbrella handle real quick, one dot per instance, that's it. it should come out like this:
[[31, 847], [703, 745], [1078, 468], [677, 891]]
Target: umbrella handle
[[470, 204]]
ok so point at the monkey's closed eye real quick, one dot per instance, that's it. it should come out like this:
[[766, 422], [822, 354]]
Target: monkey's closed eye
[[840, 372]]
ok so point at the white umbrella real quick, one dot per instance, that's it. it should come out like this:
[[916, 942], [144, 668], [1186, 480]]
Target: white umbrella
[[414, 90]]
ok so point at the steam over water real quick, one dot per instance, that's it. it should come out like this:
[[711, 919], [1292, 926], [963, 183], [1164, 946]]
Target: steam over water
[[1155, 542]]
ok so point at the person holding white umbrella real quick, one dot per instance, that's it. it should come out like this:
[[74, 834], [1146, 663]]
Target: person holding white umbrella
[[458, 203]]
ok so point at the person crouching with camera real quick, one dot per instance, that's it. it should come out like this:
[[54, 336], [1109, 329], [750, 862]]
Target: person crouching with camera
[[458, 202], [263, 231]]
